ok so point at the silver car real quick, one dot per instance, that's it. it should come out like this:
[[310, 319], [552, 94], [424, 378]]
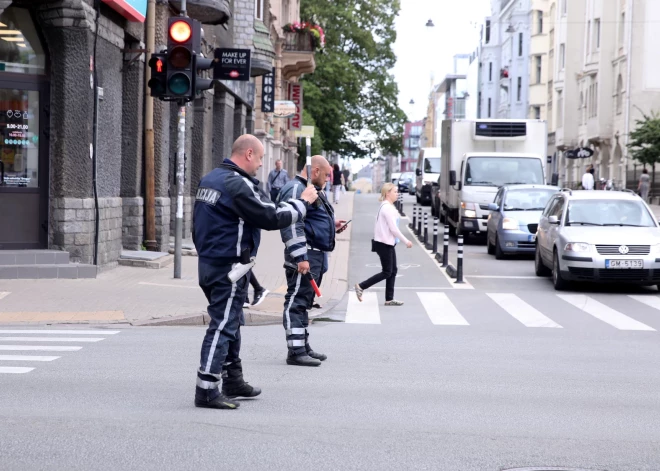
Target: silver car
[[514, 217], [598, 236]]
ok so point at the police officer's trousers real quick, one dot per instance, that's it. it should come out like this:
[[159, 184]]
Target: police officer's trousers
[[299, 298], [222, 342]]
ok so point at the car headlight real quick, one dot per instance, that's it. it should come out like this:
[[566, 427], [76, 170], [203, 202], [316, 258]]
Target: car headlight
[[577, 247], [510, 224], [469, 210]]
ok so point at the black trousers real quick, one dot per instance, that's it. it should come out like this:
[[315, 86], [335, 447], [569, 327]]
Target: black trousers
[[273, 193], [387, 255]]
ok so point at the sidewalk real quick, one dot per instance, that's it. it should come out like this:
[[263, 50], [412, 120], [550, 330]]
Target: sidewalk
[[140, 296]]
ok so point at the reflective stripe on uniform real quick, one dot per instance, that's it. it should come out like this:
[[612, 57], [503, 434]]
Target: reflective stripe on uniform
[[295, 331], [295, 343], [225, 318]]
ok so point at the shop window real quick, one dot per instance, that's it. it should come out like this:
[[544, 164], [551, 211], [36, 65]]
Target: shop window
[[21, 50]]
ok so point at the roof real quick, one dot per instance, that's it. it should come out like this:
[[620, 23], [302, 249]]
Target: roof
[[531, 187], [600, 195]]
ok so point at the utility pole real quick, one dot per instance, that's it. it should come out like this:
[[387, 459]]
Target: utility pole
[[149, 173], [180, 177]]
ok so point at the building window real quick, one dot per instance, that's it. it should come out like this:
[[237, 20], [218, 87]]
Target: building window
[[622, 28], [479, 106], [596, 34], [564, 6], [520, 44], [21, 51], [487, 31], [519, 89], [490, 71], [539, 21], [562, 56], [619, 95], [489, 107], [537, 112], [259, 9], [560, 109], [538, 64]]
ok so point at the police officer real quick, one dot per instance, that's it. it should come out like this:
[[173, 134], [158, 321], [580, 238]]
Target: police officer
[[229, 212], [307, 245]]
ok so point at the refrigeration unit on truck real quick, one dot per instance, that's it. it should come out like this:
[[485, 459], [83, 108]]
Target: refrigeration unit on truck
[[480, 156]]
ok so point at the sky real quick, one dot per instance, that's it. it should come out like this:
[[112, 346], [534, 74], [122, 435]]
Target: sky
[[423, 51]]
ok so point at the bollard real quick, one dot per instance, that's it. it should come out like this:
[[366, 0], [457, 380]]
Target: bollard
[[419, 222], [426, 229], [413, 225], [459, 262], [401, 206], [434, 249], [445, 249]]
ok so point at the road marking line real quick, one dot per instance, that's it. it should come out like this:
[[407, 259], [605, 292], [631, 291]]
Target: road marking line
[[26, 358], [4, 294], [365, 312], [604, 313], [465, 285], [651, 301], [41, 348], [51, 339], [504, 277], [410, 288], [15, 369], [167, 285], [522, 311], [441, 310], [62, 332]]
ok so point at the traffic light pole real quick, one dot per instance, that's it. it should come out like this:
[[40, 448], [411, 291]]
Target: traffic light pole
[[180, 178]]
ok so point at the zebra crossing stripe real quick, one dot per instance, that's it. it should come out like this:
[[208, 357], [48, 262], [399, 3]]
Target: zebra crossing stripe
[[51, 339], [365, 312], [26, 358], [41, 348], [440, 309], [4, 294], [604, 313], [651, 301], [15, 369], [62, 332], [522, 311]]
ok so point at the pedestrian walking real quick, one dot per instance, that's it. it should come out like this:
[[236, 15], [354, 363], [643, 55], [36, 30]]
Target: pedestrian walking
[[260, 292], [307, 249], [588, 179], [277, 178], [644, 185], [229, 212], [337, 183], [386, 236]]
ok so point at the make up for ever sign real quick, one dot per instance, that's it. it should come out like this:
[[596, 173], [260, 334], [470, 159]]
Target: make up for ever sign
[[232, 64]]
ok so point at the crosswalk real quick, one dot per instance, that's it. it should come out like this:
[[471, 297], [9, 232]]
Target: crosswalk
[[540, 312], [33, 340]]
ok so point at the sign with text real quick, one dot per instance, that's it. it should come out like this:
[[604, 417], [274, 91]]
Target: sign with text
[[296, 96], [306, 131], [580, 153], [231, 64], [132, 10], [268, 92]]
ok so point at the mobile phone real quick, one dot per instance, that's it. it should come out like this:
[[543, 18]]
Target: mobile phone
[[344, 225]]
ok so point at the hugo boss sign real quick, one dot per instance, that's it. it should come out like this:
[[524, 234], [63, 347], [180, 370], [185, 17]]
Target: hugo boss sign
[[231, 64]]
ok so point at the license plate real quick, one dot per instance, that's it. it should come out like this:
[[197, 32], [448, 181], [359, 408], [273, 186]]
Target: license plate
[[532, 238], [624, 264]]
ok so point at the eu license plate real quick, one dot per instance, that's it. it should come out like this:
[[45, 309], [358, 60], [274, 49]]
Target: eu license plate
[[624, 264], [532, 238]]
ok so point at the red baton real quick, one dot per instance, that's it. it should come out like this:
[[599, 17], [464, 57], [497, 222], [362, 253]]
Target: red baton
[[314, 285]]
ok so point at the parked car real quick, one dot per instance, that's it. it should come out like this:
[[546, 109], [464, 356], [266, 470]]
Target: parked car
[[406, 183], [598, 236], [514, 217], [427, 173]]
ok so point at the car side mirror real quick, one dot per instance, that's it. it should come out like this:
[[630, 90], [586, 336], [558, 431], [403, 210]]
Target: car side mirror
[[452, 177], [553, 220], [493, 207], [418, 172]]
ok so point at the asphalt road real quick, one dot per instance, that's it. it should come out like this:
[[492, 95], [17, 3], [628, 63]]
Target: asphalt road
[[455, 380]]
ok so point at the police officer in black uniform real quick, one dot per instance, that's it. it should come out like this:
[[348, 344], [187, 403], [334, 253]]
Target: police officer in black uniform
[[229, 212], [307, 245]]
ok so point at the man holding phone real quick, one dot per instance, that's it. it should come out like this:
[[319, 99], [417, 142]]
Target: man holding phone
[[307, 248]]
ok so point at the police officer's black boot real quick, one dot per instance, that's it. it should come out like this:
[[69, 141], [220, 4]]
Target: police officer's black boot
[[312, 353], [213, 399], [233, 384], [302, 360]]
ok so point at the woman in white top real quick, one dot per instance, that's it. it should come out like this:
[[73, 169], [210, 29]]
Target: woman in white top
[[386, 236]]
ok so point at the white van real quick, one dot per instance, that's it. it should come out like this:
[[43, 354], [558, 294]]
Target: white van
[[428, 173]]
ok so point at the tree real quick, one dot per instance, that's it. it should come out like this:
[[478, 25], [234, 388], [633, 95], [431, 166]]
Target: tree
[[351, 95], [644, 142]]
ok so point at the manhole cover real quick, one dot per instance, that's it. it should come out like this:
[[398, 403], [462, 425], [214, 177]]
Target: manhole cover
[[549, 468]]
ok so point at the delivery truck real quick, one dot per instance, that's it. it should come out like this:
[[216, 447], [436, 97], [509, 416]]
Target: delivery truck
[[480, 156]]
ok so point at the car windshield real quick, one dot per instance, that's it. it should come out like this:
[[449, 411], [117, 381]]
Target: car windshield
[[608, 213], [432, 165], [499, 171], [528, 199], [406, 176]]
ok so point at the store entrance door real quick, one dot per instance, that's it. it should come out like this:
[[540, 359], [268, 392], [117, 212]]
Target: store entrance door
[[23, 162]]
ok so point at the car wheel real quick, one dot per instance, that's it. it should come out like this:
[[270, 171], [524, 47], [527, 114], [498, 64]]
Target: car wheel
[[491, 247], [539, 268], [499, 253], [559, 283]]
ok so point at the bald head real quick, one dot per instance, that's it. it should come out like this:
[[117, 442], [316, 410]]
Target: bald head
[[247, 152], [321, 169]]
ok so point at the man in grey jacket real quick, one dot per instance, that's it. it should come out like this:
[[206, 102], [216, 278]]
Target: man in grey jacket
[[277, 178]]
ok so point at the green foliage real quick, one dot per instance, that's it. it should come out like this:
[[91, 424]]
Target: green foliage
[[317, 141], [644, 142], [351, 91]]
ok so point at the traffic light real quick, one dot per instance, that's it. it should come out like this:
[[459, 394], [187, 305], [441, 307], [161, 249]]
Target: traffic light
[[158, 81], [180, 52], [199, 83]]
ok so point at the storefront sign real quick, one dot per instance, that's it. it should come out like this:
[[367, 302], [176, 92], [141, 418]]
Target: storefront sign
[[232, 64], [306, 131], [579, 153], [132, 10], [284, 109], [296, 96], [268, 92]]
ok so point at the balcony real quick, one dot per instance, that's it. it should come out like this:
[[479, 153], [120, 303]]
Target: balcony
[[298, 54], [209, 12]]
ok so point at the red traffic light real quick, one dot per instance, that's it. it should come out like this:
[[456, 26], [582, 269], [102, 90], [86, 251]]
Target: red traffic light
[[159, 65], [180, 31]]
